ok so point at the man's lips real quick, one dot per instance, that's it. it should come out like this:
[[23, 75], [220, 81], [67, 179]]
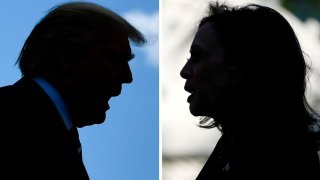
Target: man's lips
[[105, 97], [107, 107], [116, 91]]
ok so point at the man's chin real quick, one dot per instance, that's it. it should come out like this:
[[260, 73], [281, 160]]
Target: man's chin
[[92, 120]]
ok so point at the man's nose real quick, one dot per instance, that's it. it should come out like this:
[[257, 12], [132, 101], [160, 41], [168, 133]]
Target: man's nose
[[127, 78]]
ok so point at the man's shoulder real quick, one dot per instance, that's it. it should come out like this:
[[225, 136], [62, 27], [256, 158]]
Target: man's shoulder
[[7, 94], [22, 94], [20, 87]]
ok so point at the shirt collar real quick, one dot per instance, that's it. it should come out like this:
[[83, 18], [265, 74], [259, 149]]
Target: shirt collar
[[57, 100]]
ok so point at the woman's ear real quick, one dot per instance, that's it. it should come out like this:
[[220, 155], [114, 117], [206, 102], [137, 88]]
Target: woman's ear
[[236, 74]]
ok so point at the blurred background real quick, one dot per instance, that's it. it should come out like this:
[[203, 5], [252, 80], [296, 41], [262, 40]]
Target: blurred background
[[186, 147], [126, 145]]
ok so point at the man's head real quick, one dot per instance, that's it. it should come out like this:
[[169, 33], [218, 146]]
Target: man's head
[[83, 50]]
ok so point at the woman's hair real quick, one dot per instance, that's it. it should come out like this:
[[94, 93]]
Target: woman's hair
[[70, 26], [261, 45]]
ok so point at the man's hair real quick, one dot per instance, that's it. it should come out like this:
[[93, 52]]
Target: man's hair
[[70, 26], [262, 46]]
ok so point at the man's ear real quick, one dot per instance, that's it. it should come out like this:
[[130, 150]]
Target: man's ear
[[66, 58]]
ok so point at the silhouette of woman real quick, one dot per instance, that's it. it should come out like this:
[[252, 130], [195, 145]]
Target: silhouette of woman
[[247, 73]]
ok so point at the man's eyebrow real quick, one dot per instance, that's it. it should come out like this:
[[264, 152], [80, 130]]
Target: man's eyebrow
[[131, 57], [127, 56]]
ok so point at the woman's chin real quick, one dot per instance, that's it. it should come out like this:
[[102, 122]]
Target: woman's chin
[[195, 111], [199, 110]]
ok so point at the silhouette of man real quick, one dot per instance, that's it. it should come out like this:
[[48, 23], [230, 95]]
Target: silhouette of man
[[72, 63]]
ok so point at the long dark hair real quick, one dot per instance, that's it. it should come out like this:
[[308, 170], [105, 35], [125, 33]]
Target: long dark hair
[[263, 47]]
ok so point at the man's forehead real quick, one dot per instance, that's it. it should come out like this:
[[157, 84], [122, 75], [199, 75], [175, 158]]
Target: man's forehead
[[115, 41], [107, 45], [114, 36]]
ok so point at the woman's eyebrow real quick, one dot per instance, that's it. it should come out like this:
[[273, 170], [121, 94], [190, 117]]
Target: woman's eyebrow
[[196, 48]]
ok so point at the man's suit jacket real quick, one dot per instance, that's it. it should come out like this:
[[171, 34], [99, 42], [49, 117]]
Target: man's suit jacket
[[34, 140]]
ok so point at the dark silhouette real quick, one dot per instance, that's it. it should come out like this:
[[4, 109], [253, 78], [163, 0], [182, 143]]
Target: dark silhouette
[[247, 73], [73, 62]]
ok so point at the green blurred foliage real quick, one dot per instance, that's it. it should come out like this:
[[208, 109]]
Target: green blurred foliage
[[303, 9]]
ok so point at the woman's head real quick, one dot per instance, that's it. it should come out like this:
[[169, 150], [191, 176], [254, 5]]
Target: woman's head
[[206, 73], [262, 63]]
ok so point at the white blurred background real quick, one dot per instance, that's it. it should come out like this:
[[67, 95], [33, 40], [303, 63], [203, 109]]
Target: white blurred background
[[186, 147]]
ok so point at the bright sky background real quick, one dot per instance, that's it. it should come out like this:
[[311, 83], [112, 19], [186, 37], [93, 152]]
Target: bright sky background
[[126, 146]]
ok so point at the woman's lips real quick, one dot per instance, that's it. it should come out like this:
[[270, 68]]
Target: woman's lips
[[190, 90], [190, 98]]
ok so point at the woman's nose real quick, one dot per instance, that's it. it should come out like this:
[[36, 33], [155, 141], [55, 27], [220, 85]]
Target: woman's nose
[[186, 71]]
